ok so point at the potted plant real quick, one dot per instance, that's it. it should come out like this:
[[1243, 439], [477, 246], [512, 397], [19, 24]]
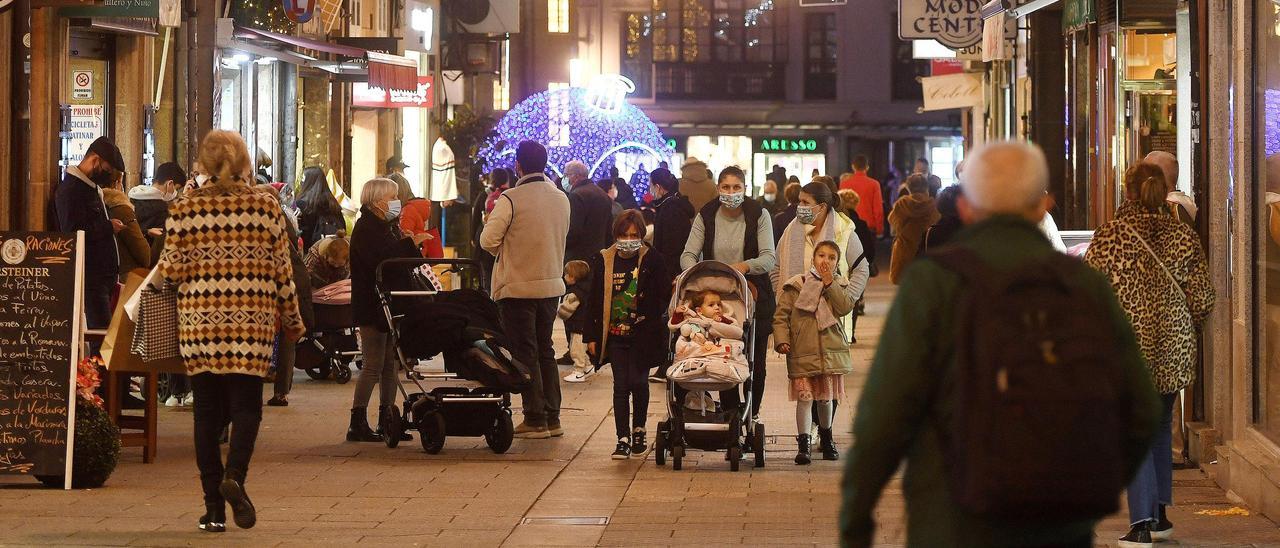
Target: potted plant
[[97, 443]]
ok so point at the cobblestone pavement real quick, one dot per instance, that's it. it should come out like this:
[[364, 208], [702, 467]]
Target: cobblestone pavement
[[313, 489]]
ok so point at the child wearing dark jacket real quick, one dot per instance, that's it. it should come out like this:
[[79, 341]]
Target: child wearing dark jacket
[[625, 325], [577, 278]]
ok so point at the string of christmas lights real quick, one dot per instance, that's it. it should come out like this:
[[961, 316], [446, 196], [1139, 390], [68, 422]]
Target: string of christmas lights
[[263, 15], [566, 122]]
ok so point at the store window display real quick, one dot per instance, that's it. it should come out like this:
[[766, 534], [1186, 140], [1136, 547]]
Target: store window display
[[1267, 143]]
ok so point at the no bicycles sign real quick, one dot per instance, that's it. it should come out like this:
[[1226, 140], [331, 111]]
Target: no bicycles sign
[[82, 84]]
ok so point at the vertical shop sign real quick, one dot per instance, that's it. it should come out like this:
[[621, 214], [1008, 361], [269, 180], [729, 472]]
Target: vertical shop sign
[[85, 125], [954, 23], [82, 84], [299, 11]]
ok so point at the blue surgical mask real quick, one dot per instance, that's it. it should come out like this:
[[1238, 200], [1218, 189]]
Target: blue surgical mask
[[806, 214], [628, 247], [393, 209], [734, 200]]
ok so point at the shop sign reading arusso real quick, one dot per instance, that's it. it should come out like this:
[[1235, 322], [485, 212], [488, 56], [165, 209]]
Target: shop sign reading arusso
[[955, 23]]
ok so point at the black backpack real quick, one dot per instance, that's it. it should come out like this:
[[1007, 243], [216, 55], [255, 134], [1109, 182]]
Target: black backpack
[[1039, 418]]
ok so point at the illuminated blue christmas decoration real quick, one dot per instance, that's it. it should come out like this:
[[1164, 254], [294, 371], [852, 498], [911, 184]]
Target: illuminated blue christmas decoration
[[594, 126]]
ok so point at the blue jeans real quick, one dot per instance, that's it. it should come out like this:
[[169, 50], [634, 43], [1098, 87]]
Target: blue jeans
[[1152, 486]]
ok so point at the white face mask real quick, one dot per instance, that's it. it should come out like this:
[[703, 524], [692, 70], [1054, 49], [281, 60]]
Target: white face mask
[[201, 179], [393, 209]]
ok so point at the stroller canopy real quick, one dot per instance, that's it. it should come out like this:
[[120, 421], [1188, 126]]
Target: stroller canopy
[[735, 293]]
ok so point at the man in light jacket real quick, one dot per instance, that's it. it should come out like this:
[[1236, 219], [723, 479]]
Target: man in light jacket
[[526, 232]]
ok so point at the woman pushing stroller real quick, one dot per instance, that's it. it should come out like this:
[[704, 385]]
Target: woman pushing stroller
[[806, 328], [625, 325]]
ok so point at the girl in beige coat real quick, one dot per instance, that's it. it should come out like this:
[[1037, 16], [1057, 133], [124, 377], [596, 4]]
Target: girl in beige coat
[[806, 328]]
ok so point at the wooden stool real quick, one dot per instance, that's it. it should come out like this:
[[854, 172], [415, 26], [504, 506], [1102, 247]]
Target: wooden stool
[[143, 428]]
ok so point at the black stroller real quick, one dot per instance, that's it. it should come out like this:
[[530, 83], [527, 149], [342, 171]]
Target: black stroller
[[472, 395], [712, 427], [330, 348]]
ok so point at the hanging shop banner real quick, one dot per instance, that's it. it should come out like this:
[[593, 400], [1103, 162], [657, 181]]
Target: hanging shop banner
[[115, 8], [1077, 14], [299, 11], [40, 310], [954, 23], [362, 95], [994, 44], [952, 91], [85, 123], [795, 145]]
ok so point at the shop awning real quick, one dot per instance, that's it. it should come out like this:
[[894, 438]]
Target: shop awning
[[381, 70], [1014, 8]]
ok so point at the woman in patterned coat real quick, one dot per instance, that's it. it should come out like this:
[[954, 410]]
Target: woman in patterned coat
[[227, 251], [1161, 278]]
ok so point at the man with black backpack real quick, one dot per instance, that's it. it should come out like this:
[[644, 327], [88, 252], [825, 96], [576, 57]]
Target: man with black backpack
[[1007, 375]]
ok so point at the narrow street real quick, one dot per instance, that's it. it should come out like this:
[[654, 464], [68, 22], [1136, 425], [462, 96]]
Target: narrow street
[[312, 489]]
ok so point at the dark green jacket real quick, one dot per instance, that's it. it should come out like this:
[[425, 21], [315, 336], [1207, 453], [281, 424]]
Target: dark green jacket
[[897, 415]]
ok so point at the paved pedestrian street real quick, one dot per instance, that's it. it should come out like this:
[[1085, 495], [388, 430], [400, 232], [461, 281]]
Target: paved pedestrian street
[[313, 489]]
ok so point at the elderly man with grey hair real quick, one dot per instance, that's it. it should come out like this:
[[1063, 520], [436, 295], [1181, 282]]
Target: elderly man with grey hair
[[938, 344], [590, 214], [1180, 204]]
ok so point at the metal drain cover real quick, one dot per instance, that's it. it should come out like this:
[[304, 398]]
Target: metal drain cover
[[574, 520]]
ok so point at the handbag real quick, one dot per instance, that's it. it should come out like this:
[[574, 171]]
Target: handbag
[[156, 334]]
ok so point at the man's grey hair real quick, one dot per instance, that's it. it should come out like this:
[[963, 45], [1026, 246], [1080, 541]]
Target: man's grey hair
[[1167, 163], [575, 171], [1005, 177]]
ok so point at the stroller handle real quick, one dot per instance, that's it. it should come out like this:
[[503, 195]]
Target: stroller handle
[[416, 262]]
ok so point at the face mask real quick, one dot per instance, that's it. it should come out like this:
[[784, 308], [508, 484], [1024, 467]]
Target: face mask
[[734, 200], [393, 209], [770, 197], [103, 178], [201, 179], [806, 214], [627, 247]]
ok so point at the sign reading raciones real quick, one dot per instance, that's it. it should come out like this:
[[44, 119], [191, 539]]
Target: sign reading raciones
[[955, 23]]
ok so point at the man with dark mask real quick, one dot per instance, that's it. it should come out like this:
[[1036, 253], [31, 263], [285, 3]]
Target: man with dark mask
[[79, 206]]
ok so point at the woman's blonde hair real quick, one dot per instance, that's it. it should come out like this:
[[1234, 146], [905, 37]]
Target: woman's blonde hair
[[223, 156], [376, 190], [1145, 183], [849, 199]]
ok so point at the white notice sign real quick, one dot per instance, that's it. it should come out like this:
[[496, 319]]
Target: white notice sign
[[82, 84], [86, 124]]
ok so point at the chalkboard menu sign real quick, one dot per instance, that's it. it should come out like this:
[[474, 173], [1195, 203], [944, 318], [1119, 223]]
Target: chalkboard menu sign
[[40, 308]]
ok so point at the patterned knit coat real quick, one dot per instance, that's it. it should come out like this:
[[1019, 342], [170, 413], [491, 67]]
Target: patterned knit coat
[[227, 250]]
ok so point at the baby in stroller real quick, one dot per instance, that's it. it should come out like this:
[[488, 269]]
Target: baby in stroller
[[707, 330]]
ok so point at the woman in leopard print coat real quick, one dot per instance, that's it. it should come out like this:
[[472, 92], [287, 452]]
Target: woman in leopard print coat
[[1160, 276]]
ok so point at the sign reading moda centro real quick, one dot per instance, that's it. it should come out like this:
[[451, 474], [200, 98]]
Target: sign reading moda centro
[[798, 145], [955, 23]]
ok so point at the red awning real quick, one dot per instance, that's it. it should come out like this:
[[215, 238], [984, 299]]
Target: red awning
[[386, 71]]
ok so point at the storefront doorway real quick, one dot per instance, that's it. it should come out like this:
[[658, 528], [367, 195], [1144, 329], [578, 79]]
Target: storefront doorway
[[89, 94]]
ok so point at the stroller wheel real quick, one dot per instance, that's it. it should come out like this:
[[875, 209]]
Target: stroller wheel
[[500, 435], [735, 458], [660, 447], [677, 454], [392, 428], [431, 430], [759, 445], [341, 372]]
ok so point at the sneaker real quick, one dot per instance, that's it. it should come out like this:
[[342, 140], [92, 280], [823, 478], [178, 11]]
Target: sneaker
[[555, 429], [278, 401], [656, 376], [564, 360], [623, 452], [638, 444], [527, 432], [580, 376], [173, 401], [1139, 536], [213, 521], [1162, 529], [189, 400], [242, 510]]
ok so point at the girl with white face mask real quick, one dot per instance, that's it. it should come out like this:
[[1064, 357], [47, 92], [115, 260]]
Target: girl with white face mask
[[625, 325]]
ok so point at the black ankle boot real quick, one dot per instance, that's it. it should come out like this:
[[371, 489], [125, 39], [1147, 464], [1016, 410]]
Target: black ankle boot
[[359, 429], [386, 412], [826, 445], [242, 510], [802, 453], [214, 519]]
